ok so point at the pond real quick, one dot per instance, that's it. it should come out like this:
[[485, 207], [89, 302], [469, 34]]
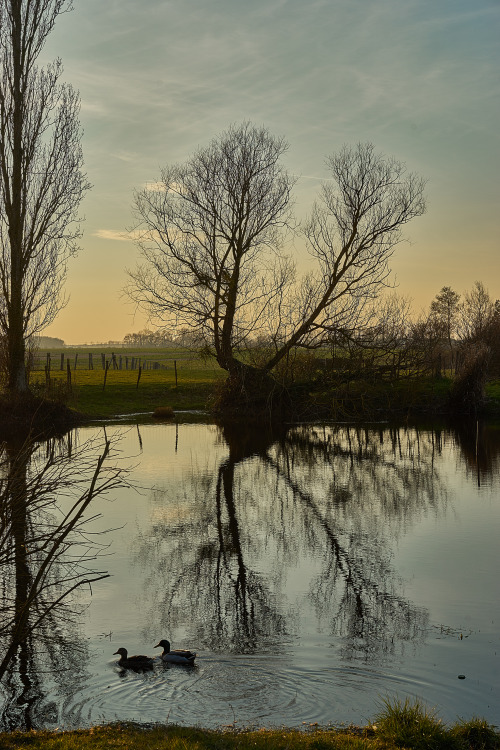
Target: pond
[[316, 572]]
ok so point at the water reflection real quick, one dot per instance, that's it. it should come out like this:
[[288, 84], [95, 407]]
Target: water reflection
[[309, 568], [204, 562], [357, 490], [480, 448], [46, 553], [222, 547]]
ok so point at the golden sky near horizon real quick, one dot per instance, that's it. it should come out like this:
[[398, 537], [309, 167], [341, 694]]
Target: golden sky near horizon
[[158, 79]]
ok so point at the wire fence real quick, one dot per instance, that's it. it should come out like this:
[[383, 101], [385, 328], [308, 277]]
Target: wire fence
[[51, 362]]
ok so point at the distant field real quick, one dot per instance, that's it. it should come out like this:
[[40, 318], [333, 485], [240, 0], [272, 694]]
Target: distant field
[[87, 358]]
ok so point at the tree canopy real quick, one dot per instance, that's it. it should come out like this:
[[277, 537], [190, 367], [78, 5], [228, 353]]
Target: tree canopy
[[212, 234]]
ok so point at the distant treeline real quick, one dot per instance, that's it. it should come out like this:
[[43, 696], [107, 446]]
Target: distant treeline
[[48, 342], [144, 338]]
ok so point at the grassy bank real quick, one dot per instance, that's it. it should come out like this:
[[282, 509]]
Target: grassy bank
[[188, 383], [400, 725]]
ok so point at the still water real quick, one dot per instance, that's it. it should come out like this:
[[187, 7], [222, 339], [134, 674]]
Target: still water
[[316, 572]]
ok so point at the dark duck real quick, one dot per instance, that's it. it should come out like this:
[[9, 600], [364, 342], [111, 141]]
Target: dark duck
[[138, 661]]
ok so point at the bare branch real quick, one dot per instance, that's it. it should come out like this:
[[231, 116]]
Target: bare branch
[[41, 178]]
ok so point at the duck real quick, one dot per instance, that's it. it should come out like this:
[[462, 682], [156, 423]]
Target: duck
[[178, 656], [139, 661]]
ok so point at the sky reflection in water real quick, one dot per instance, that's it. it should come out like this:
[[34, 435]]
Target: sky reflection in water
[[315, 571]]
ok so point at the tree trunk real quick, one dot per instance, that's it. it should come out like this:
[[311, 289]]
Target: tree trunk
[[17, 380], [250, 393]]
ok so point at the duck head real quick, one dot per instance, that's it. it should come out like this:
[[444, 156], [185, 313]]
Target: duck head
[[165, 645]]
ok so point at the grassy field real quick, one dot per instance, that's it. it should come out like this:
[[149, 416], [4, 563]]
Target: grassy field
[[183, 382], [82, 358], [399, 725]]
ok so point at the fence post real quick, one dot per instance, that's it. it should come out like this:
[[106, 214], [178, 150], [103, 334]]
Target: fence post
[[138, 377], [103, 360], [62, 360], [76, 360], [68, 375], [105, 375], [175, 369]]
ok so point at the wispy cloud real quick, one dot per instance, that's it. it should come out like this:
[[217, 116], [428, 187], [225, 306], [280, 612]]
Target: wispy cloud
[[419, 79], [126, 156], [133, 236], [114, 234]]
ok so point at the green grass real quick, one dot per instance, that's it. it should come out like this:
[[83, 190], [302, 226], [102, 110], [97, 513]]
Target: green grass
[[475, 734], [403, 397], [493, 390], [130, 737], [122, 394], [400, 724], [197, 379], [413, 725], [406, 724]]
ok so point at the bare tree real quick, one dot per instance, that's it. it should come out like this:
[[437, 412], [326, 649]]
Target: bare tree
[[479, 348], [476, 313], [41, 179], [211, 233], [352, 234]]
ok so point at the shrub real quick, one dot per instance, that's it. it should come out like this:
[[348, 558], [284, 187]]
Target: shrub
[[163, 412], [467, 392]]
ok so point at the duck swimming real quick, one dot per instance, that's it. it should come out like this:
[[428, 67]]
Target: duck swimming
[[179, 656], [133, 662]]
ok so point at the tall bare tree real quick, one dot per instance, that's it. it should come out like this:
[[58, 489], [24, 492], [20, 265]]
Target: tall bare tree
[[211, 234], [475, 313], [41, 178]]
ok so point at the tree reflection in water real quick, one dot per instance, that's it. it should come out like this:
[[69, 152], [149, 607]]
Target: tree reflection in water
[[46, 553], [480, 447], [358, 489], [222, 548], [200, 565]]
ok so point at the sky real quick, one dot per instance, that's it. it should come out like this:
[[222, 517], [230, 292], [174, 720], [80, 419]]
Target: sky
[[158, 79]]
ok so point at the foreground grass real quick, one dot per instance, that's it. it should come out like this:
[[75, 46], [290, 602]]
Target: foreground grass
[[399, 725]]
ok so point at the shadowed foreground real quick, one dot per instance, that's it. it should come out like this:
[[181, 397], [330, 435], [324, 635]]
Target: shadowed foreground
[[400, 724]]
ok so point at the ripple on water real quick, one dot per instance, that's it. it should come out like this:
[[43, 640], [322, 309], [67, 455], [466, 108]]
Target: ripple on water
[[245, 690], [256, 691]]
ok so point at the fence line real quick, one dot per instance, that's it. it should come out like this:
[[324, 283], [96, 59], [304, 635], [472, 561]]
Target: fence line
[[46, 362]]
